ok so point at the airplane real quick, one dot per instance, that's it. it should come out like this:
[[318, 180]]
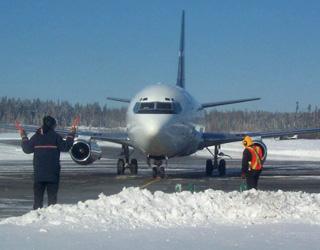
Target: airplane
[[165, 121]]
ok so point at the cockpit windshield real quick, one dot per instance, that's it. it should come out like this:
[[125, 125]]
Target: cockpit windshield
[[157, 108]]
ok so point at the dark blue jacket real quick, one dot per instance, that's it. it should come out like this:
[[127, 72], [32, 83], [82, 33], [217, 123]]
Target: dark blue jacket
[[46, 148]]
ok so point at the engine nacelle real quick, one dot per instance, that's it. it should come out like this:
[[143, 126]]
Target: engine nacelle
[[85, 151], [263, 147]]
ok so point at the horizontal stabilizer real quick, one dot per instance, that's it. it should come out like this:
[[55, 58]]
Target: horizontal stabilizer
[[214, 104], [119, 99]]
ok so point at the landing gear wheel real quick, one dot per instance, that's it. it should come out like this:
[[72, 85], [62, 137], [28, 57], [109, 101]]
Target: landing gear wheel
[[162, 172], [154, 172], [209, 167], [222, 168], [134, 166], [120, 167]]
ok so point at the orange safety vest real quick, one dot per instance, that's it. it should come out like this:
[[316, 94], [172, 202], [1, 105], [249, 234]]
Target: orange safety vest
[[256, 157]]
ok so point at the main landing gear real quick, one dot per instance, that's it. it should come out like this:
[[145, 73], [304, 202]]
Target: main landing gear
[[125, 163], [216, 164]]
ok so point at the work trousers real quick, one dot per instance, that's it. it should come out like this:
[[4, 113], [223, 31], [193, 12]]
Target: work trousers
[[252, 179], [38, 190]]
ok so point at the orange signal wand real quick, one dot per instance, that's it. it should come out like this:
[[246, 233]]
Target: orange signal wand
[[18, 126], [76, 122]]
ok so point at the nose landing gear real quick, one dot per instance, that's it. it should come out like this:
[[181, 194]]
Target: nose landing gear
[[158, 170], [216, 164]]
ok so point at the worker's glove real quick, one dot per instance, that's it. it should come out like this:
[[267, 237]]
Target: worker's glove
[[22, 132], [73, 130]]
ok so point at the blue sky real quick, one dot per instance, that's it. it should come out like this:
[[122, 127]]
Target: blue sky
[[83, 51]]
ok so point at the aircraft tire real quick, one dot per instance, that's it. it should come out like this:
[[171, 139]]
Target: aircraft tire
[[134, 166], [222, 167], [162, 172], [154, 172], [120, 167], [209, 167]]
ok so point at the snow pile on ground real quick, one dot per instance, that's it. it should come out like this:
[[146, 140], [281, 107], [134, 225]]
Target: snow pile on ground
[[295, 150], [10, 136], [301, 149], [10, 152], [136, 208]]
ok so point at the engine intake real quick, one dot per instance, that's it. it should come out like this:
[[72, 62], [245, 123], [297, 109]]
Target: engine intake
[[85, 152]]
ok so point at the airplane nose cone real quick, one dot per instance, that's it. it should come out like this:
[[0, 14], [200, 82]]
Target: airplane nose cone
[[153, 137], [152, 129]]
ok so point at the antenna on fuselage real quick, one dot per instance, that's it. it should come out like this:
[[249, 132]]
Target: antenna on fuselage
[[180, 78]]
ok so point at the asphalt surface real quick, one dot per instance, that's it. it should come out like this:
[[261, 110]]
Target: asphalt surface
[[80, 183]]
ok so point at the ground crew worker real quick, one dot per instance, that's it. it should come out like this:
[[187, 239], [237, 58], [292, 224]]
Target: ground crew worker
[[252, 162], [46, 145]]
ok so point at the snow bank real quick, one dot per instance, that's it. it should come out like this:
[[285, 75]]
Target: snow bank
[[293, 150], [136, 208], [10, 152], [10, 136]]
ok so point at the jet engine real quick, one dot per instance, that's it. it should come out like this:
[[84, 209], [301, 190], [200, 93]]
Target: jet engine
[[263, 147], [85, 151]]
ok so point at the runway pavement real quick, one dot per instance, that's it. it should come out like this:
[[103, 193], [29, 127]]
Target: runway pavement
[[80, 183]]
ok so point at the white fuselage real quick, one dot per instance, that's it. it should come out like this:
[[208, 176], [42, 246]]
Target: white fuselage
[[165, 121]]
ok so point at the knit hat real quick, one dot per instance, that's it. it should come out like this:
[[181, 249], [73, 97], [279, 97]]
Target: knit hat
[[49, 123]]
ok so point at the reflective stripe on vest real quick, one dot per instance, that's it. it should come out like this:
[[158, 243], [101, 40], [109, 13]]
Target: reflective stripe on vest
[[46, 146], [256, 157]]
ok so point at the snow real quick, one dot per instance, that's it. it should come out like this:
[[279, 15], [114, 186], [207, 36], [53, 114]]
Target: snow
[[138, 219], [293, 150], [262, 237], [10, 152], [136, 208]]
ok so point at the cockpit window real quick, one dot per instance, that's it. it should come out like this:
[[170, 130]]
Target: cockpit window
[[147, 105], [164, 105], [157, 108]]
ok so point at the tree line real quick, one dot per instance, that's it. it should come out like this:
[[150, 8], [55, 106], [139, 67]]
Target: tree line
[[32, 111], [95, 115], [237, 121]]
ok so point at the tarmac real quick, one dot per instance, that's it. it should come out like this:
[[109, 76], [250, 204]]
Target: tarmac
[[80, 183]]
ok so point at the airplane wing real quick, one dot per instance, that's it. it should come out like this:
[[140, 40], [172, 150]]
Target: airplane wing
[[214, 104], [119, 99], [212, 139], [116, 137]]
